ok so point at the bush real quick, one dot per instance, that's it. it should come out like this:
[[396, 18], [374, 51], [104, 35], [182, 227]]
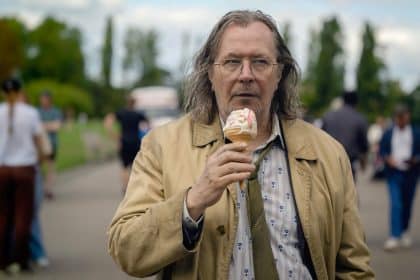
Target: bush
[[66, 97]]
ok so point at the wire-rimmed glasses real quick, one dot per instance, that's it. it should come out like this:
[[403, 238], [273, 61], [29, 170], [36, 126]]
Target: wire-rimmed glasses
[[260, 67]]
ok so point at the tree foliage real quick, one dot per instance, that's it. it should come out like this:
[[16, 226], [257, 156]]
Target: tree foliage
[[370, 85], [104, 99], [107, 54], [13, 36], [286, 34], [415, 104], [325, 72], [141, 58], [308, 92], [65, 96], [55, 52]]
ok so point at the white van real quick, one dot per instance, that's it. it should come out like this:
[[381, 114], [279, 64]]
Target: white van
[[160, 104]]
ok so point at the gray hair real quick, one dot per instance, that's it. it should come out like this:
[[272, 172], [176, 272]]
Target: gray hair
[[200, 98]]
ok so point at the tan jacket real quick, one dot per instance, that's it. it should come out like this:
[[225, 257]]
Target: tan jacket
[[145, 236]]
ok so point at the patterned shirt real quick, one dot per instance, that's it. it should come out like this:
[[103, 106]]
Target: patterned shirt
[[280, 214]]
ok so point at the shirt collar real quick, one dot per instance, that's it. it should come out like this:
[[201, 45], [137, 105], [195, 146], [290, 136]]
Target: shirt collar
[[275, 134]]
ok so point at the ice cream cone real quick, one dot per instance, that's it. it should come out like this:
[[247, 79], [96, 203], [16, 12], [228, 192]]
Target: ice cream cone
[[235, 135], [241, 126]]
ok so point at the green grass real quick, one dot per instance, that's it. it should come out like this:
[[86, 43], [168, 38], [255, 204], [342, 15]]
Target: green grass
[[74, 148]]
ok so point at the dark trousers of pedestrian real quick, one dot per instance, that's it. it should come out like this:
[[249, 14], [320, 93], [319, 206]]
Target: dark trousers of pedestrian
[[16, 212], [402, 188]]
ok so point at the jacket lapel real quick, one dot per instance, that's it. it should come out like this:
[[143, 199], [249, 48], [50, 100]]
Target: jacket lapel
[[300, 152], [204, 134]]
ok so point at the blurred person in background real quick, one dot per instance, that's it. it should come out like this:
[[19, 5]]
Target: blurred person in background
[[349, 127], [51, 118], [133, 125], [20, 150], [184, 213], [38, 253], [400, 149]]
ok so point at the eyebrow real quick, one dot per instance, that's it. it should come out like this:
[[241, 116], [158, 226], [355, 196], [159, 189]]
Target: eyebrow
[[235, 55]]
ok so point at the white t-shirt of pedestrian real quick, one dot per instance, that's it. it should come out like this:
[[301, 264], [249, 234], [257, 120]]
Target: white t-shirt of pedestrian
[[401, 146], [17, 146]]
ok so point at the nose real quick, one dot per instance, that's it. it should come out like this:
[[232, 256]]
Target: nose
[[246, 74]]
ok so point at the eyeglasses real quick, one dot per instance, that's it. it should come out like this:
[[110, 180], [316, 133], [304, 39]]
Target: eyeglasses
[[260, 67]]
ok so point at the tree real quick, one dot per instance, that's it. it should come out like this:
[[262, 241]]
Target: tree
[[55, 53], [141, 58], [369, 84], [107, 54], [13, 36], [105, 100], [415, 102], [329, 81], [325, 74], [308, 91], [286, 34]]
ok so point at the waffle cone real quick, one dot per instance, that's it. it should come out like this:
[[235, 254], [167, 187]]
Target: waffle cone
[[235, 135]]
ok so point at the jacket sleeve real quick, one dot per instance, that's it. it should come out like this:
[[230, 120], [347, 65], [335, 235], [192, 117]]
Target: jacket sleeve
[[362, 137], [145, 234], [385, 144], [416, 143], [353, 257]]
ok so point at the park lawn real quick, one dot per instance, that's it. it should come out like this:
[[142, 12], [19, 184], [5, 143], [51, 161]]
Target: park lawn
[[76, 149]]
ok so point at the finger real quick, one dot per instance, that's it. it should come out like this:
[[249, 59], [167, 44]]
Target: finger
[[232, 156], [234, 167], [239, 147], [235, 177]]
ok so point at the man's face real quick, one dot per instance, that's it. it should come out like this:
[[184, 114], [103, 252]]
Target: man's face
[[246, 87]]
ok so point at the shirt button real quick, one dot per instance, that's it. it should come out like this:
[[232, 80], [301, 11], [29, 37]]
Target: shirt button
[[221, 229]]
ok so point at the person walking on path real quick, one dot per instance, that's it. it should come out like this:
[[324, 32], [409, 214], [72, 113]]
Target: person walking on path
[[132, 128], [38, 253], [20, 150], [51, 118], [400, 149], [349, 127]]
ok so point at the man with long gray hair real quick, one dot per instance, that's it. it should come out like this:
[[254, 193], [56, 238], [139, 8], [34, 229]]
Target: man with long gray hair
[[184, 214]]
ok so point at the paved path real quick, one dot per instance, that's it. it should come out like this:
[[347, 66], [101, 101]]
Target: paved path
[[75, 224]]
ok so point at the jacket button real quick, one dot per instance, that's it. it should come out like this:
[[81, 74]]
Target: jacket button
[[221, 229]]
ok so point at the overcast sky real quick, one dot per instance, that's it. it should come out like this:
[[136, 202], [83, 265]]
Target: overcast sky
[[397, 24]]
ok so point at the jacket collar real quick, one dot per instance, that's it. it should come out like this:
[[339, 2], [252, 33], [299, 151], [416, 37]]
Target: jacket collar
[[294, 134], [204, 134], [298, 144]]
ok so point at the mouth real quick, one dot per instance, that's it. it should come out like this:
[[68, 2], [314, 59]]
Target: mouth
[[245, 95]]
